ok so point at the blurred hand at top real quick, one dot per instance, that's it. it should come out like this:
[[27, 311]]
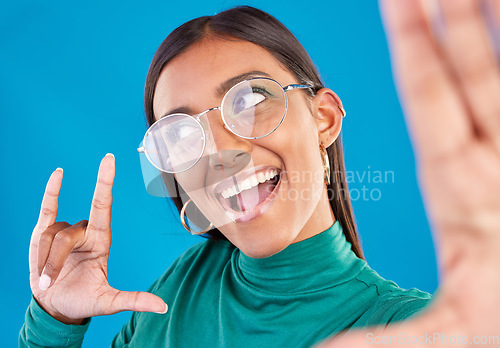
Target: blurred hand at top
[[448, 77]]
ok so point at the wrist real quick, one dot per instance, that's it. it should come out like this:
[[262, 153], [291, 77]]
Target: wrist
[[66, 320], [59, 317]]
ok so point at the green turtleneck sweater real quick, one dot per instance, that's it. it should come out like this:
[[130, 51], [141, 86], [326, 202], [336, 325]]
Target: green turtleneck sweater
[[219, 297]]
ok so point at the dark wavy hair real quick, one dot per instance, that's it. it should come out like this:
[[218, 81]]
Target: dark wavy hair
[[250, 24]]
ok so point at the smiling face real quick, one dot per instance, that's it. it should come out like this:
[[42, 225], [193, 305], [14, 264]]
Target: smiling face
[[283, 197]]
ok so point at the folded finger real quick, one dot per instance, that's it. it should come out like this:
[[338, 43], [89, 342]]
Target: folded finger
[[100, 212], [45, 241], [62, 245], [433, 108], [473, 60]]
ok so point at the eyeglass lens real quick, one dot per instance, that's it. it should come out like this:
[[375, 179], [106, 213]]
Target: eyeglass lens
[[251, 109]]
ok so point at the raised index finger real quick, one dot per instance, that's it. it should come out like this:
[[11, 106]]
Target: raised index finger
[[100, 212]]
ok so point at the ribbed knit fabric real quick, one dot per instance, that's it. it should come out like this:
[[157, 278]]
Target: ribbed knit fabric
[[219, 297]]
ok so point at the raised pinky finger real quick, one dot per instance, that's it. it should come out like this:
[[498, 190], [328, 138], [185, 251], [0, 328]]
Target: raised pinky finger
[[48, 210], [48, 215]]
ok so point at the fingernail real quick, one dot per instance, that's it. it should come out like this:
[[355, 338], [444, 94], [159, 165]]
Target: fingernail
[[60, 169], [110, 154], [44, 282], [165, 311]]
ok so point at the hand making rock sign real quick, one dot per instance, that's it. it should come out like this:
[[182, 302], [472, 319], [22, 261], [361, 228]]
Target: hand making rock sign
[[69, 263]]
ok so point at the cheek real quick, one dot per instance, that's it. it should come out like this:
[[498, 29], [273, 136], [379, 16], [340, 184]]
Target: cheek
[[192, 180], [297, 144], [193, 183], [201, 207], [300, 140]]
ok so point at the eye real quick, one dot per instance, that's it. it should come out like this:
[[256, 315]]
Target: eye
[[182, 131], [247, 99], [186, 131]]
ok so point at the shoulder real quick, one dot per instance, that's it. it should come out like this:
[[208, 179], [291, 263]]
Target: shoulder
[[392, 303], [202, 258], [399, 304]]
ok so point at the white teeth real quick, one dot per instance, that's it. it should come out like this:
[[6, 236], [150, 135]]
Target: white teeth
[[252, 181], [245, 185], [261, 177]]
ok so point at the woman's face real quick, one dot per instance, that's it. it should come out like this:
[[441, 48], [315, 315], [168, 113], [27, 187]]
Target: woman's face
[[265, 219]]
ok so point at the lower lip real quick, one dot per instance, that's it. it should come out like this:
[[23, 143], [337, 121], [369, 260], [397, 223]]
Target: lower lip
[[259, 210]]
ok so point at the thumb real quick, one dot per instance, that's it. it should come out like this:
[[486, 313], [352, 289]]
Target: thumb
[[118, 301]]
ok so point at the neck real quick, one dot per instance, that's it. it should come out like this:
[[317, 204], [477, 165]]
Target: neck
[[324, 260], [321, 219]]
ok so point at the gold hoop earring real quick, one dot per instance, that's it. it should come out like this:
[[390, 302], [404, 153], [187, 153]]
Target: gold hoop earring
[[342, 110], [326, 163], [183, 221]]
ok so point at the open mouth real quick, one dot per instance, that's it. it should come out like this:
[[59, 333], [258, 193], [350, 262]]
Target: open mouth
[[249, 197]]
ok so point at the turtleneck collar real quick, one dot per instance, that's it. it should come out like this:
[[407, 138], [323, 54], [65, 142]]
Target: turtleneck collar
[[313, 264]]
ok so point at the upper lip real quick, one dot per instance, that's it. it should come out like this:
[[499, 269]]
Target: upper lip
[[239, 177]]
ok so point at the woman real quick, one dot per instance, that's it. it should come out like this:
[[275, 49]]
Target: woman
[[277, 270]]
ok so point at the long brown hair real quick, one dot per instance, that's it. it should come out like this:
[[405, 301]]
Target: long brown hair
[[258, 27]]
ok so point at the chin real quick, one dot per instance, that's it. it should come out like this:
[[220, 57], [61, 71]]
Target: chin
[[262, 248]]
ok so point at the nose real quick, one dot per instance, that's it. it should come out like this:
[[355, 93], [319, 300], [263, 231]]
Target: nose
[[225, 150], [229, 159]]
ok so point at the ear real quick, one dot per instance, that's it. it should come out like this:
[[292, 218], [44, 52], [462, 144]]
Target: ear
[[328, 113]]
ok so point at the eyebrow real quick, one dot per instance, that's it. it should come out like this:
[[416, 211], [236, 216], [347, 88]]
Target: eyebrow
[[221, 90], [228, 84]]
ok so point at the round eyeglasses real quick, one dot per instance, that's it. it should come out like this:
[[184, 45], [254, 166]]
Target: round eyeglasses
[[251, 109]]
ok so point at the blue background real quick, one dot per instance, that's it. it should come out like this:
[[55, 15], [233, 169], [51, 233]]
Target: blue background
[[71, 90]]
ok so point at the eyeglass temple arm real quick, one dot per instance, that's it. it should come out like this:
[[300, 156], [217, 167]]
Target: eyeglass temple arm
[[140, 149], [297, 86]]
